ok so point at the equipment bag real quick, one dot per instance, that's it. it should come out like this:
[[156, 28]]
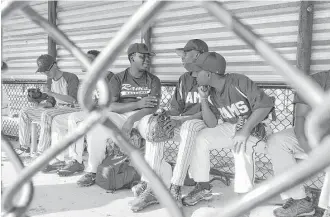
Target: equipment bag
[[115, 173]]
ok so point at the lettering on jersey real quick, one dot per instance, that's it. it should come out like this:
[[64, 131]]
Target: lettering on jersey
[[129, 90], [234, 110], [192, 98]]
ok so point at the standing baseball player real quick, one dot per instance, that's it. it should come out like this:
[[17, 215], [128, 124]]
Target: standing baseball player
[[61, 125], [236, 98], [186, 122], [287, 145], [63, 86], [135, 93]]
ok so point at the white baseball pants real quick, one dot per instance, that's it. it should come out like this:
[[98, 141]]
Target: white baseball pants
[[186, 136], [64, 124], [218, 138], [45, 118], [284, 149]]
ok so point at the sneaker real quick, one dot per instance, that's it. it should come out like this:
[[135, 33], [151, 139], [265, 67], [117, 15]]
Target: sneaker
[[293, 208], [71, 168], [176, 194], [139, 188], [53, 167], [87, 180], [196, 195], [326, 212], [145, 199]]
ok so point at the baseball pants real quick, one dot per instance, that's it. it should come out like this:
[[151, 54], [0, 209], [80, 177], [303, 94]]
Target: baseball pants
[[284, 149], [98, 138], [218, 138], [42, 116], [186, 136], [63, 124]]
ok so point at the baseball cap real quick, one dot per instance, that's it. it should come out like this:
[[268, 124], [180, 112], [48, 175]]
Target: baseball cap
[[195, 44], [44, 62], [139, 48], [210, 61]]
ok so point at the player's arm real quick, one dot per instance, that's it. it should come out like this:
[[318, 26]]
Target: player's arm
[[255, 118], [72, 87], [260, 103], [156, 94], [209, 113], [301, 111]]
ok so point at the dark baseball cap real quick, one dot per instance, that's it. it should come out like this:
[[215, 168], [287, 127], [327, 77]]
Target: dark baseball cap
[[139, 48], [210, 61], [44, 62], [195, 44]]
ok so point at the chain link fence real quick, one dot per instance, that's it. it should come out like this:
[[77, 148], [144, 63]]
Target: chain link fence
[[221, 160]]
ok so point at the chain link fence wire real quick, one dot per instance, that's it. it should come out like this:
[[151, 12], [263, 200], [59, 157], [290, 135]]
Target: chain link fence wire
[[312, 94]]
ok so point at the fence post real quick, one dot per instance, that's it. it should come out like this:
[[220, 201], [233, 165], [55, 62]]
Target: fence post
[[305, 33], [52, 19]]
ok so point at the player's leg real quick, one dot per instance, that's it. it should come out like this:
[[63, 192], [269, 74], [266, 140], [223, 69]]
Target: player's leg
[[26, 116], [59, 130], [154, 154], [96, 146], [188, 134], [46, 123], [283, 148], [75, 165]]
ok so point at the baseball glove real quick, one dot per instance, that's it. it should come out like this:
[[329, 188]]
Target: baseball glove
[[36, 96], [156, 131]]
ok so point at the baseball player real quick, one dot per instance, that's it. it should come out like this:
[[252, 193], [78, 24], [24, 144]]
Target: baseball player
[[63, 86], [287, 145], [235, 96], [185, 121], [61, 125], [135, 93]]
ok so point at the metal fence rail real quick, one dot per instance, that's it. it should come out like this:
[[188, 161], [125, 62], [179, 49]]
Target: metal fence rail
[[308, 89]]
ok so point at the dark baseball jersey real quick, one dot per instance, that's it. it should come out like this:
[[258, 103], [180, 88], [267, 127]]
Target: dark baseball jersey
[[186, 98], [239, 97], [126, 88], [322, 78]]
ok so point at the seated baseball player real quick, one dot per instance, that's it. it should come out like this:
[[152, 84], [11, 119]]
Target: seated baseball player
[[241, 107], [286, 146], [186, 122], [63, 86], [61, 124], [135, 94]]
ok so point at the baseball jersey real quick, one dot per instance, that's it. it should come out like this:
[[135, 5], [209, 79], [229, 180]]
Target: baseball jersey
[[66, 85], [240, 96], [186, 98], [126, 88], [322, 78]]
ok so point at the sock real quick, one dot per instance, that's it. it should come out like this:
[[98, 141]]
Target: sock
[[205, 185]]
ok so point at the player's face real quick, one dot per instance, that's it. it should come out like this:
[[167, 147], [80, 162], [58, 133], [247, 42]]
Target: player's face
[[142, 61], [203, 77], [189, 56], [51, 71], [91, 57]]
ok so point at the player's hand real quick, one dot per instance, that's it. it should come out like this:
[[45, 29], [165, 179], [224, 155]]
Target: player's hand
[[169, 125], [127, 127], [148, 102], [203, 91], [239, 141]]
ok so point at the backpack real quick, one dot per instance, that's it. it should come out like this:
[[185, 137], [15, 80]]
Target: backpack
[[115, 173]]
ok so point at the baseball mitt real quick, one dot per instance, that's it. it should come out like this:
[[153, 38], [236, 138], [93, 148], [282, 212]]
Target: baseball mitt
[[156, 131], [36, 96]]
